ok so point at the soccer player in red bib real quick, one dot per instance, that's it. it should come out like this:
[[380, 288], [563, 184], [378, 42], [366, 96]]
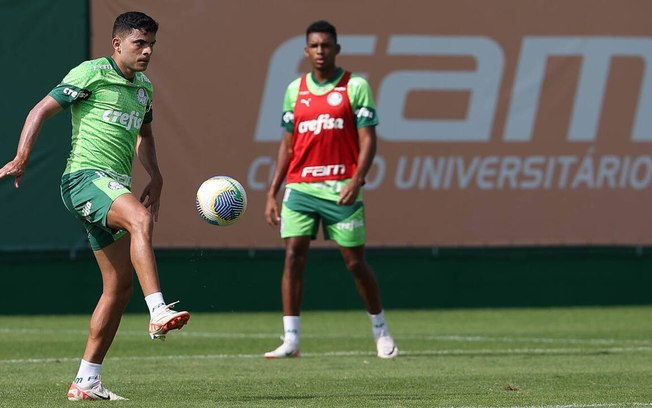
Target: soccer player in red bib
[[327, 149]]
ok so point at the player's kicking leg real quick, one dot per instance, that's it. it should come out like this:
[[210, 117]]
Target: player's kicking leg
[[129, 214]]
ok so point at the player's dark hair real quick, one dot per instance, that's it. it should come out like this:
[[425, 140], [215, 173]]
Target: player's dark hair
[[133, 20], [322, 26]]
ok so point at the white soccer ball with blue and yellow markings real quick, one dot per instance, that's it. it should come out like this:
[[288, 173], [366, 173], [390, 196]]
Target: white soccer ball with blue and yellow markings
[[221, 200]]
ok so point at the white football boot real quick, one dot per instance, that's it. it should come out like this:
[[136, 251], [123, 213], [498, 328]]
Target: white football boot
[[96, 392], [386, 346], [286, 350], [166, 319]]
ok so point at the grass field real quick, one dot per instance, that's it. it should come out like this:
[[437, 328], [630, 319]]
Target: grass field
[[572, 357]]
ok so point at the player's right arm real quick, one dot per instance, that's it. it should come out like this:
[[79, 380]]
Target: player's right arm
[[41, 112], [272, 213]]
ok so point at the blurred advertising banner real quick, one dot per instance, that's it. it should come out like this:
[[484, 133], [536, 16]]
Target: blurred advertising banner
[[507, 122]]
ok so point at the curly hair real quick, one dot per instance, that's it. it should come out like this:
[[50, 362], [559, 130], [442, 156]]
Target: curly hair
[[322, 26]]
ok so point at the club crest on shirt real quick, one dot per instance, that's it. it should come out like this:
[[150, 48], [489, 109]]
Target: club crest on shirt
[[141, 95], [334, 98]]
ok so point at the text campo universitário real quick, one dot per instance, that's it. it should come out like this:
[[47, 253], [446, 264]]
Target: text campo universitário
[[536, 172], [493, 172]]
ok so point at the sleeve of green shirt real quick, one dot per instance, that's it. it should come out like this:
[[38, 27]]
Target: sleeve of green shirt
[[74, 87], [290, 99], [362, 102]]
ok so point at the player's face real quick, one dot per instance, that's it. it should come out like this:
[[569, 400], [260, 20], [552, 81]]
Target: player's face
[[134, 51], [321, 50]]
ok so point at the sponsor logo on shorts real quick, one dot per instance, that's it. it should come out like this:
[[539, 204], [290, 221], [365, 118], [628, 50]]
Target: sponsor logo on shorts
[[349, 226], [114, 185]]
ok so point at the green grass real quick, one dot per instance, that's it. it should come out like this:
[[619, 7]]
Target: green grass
[[578, 357]]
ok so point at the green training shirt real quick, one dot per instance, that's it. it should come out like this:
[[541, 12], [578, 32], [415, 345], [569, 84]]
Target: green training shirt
[[107, 112]]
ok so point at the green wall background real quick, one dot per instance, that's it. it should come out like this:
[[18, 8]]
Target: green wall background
[[41, 41], [223, 281]]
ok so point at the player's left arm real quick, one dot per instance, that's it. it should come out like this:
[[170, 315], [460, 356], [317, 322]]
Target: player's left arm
[[146, 151], [367, 141], [364, 109]]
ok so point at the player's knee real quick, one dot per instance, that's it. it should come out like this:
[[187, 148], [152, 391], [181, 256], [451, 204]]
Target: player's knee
[[119, 292], [293, 257], [142, 222], [358, 266], [124, 295], [354, 265]]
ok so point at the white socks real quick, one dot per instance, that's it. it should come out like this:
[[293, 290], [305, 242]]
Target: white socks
[[378, 324], [291, 326], [88, 374], [154, 301]]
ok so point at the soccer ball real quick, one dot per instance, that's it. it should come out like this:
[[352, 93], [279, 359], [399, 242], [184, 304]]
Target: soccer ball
[[221, 200]]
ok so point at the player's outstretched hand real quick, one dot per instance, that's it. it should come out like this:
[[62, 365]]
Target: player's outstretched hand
[[15, 168]]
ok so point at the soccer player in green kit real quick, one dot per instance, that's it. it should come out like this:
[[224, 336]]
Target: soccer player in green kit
[[111, 105], [327, 149]]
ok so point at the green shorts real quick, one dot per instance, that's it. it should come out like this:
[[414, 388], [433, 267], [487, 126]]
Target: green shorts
[[302, 213], [88, 195]]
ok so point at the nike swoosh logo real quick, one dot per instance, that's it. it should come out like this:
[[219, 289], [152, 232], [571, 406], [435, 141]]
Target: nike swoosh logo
[[102, 397]]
